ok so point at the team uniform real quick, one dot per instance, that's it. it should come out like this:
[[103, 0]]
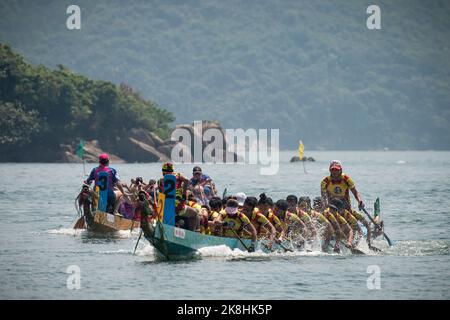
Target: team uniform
[[275, 221], [237, 222], [259, 221], [103, 184], [339, 188], [288, 220]]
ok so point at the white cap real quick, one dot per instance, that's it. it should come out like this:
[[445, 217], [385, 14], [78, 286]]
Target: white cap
[[241, 198]]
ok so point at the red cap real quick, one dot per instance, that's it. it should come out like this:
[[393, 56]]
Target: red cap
[[103, 157], [335, 165]]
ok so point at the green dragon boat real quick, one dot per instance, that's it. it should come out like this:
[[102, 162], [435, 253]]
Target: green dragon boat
[[175, 243]]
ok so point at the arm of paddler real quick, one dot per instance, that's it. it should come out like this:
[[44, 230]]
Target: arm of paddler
[[252, 230], [184, 183], [358, 198], [349, 234], [279, 229], [91, 177], [310, 225]]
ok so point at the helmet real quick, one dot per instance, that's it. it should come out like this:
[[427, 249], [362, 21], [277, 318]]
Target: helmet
[[335, 165], [103, 158], [167, 167]]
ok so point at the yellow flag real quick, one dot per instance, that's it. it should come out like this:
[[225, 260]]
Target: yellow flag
[[301, 148]]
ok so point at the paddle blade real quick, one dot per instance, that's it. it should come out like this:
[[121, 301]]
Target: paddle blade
[[388, 240], [79, 224], [374, 249], [356, 251]]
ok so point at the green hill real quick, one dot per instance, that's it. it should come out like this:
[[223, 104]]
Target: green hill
[[40, 109], [310, 68]]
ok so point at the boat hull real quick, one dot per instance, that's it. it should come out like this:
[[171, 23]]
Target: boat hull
[[106, 222], [175, 243]]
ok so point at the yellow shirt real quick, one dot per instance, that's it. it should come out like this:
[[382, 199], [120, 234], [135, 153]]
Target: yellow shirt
[[211, 230], [330, 217], [238, 221], [350, 219], [304, 216], [320, 218], [289, 219], [337, 189], [258, 220]]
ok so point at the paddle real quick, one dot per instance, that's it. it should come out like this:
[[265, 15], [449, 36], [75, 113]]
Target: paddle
[[267, 246], [135, 247], [224, 194], [373, 221], [284, 248], [374, 249], [353, 250], [239, 238]]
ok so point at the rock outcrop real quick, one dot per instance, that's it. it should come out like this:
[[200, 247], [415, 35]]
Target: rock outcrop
[[91, 153], [297, 159], [141, 145]]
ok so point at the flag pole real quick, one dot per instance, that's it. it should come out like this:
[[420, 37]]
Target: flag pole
[[84, 166]]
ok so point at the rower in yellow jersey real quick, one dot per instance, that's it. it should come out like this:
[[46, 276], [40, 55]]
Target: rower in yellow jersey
[[207, 223], [265, 205], [303, 212], [319, 220], [344, 228], [290, 222], [358, 217], [339, 185], [258, 220], [234, 223]]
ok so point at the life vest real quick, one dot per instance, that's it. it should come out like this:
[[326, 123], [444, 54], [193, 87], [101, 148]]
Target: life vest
[[239, 221], [305, 217], [258, 220], [194, 204]]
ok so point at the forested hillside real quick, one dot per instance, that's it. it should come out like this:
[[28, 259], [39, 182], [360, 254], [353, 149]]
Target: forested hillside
[[310, 68], [40, 109]]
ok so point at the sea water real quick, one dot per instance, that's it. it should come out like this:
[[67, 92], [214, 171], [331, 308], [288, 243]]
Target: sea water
[[39, 247]]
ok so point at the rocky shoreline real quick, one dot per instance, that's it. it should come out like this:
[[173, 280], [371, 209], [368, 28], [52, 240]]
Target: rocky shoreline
[[139, 145]]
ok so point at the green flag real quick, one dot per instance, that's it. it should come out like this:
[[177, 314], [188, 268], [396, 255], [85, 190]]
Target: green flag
[[376, 207], [80, 149]]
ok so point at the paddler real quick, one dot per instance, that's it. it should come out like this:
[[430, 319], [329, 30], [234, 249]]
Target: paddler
[[339, 185], [261, 224], [303, 212], [289, 220], [318, 204], [265, 206], [213, 213], [112, 180], [202, 185], [182, 210], [292, 201], [353, 217], [182, 182], [233, 223], [340, 225]]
